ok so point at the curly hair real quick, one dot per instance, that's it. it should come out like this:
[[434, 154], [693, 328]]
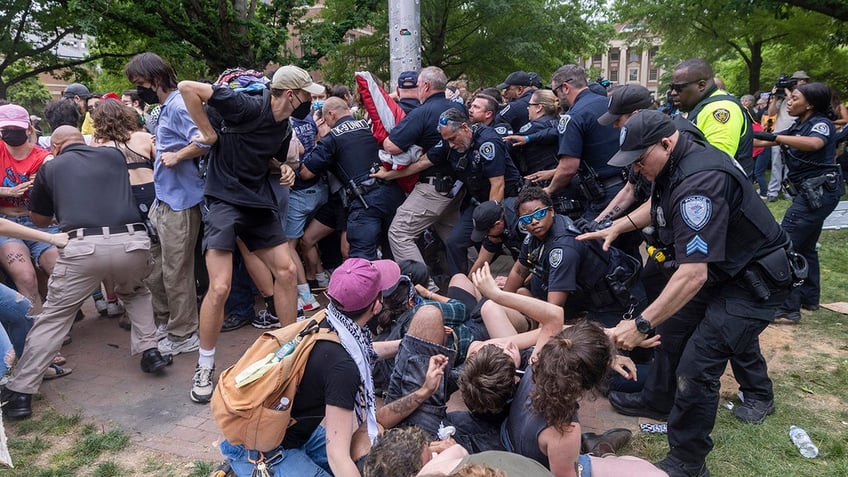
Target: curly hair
[[397, 453], [487, 382], [530, 194], [114, 121], [478, 470], [573, 362]]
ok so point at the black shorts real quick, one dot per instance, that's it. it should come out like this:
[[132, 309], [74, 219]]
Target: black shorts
[[257, 228], [332, 214]]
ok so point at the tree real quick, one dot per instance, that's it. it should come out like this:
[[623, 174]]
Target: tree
[[723, 29], [484, 40]]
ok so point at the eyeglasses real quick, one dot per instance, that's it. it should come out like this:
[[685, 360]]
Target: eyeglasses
[[538, 214], [534, 104], [679, 86], [569, 80], [641, 160]]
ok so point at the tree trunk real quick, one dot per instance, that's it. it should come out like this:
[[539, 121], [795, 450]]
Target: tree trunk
[[756, 65]]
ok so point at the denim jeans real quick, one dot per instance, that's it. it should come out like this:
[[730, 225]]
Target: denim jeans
[[13, 316], [35, 248], [311, 459], [763, 162]]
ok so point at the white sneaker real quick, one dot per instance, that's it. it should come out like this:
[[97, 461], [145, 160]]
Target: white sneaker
[[202, 384], [115, 308], [309, 302], [167, 346], [101, 305], [161, 331]]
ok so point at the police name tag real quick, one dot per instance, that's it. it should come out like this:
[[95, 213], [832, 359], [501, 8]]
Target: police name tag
[[696, 211]]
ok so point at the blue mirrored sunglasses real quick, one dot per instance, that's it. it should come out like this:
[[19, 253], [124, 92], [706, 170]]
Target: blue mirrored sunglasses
[[538, 214]]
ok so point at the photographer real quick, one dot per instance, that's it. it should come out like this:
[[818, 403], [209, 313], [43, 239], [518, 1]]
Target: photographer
[[777, 107], [812, 178]]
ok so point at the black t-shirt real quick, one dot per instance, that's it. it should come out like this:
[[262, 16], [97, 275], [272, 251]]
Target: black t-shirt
[[331, 377], [85, 186], [238, 168]]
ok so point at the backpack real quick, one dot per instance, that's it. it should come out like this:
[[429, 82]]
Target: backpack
[[257, 414]]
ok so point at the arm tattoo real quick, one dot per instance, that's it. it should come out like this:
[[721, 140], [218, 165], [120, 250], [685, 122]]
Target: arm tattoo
[[405, 405]]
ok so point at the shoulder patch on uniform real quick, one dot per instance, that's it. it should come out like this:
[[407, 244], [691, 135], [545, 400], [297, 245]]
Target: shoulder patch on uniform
[[697, 244], [487, 150], [555, 257], [527, 236], [696, 211], [504, 110], [622, 135], [501, 130], [822, 128], [563, 123], [525, 127], [721, 115]]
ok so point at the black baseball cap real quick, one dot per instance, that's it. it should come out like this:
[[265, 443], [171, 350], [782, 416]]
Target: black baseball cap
[[485, 216], [516, 78], [625, 100], [639, 133], [77, 89], [408, 80]]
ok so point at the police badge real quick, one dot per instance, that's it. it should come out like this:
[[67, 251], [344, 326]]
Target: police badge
[[721, 115], [696, 211], [487, 150], [821, 128], [563, 123], [555, 257]]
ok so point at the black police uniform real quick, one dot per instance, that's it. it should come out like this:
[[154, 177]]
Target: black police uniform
[[486, 157], [819, 186], [540, 152], [515, 113], [511, 238], [408, 104], [580, 135], [597, 281], [350, 150], [705, 211]]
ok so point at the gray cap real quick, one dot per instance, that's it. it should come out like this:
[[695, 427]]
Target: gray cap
[[639, 133], [76, 89], [625, 100]]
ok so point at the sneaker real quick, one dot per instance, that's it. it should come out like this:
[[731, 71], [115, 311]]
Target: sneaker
[[234, 322], [115, 308], [632, 404], [265, 320], [168, 346], [308, 302], [202, 384], [102, 305], [753, 411], [676, 468], [161, 331], [300, 315]]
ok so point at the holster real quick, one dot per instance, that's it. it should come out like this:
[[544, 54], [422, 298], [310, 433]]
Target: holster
[[770, 273]]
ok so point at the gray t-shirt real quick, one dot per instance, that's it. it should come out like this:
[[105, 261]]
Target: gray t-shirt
[[515, 465]]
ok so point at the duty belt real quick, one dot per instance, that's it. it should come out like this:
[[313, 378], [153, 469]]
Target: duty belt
[[612, 181]]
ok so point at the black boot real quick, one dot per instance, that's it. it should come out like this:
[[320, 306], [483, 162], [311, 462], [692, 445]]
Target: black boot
[[608, 443], [152, 361], [15, 404]]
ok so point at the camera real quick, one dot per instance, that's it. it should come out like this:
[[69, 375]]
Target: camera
[[784, 82]]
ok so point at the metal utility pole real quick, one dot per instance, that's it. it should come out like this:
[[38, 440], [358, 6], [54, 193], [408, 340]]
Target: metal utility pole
[[404, 37]]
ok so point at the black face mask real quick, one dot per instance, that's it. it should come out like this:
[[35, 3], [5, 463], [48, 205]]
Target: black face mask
[[302, 111], [147, 95], [15, 137]]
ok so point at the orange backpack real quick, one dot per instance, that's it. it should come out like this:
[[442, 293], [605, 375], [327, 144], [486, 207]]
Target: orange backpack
[[253, 399]]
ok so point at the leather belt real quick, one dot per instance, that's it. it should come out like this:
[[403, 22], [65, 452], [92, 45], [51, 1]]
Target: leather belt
[[119, 229]]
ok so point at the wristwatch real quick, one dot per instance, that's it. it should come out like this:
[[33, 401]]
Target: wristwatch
[[643, 325]]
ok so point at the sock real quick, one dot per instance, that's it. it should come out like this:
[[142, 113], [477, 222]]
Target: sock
[[269, 305], [112, 298], [303, 290], [97, 295], [206, 357], [320, 276]]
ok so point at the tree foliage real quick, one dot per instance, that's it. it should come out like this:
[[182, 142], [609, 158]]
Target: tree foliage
[[727, 30], [483, 40]]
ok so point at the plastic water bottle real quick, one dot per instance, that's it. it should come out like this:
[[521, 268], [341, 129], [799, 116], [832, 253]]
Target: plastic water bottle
[[802, 441]]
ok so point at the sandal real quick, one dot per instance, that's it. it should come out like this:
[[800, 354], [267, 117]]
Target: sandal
[[55, 371]]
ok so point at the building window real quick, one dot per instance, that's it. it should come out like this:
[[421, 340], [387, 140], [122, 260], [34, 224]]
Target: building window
[[633, 74], [635, 56], [596, 58], [613, 75], [615, 55], [653, 73]]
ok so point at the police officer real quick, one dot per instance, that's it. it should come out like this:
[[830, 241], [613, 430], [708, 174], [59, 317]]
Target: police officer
[[479, 158], [407, 91], [535, 145], [496, 226], [517, 89], [718, 114], [580, 276], [483, 109], [584, 145], [350, 150], [733, 270]]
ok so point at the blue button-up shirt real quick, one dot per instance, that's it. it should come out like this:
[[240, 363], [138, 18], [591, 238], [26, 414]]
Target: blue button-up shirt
[[181, 186]]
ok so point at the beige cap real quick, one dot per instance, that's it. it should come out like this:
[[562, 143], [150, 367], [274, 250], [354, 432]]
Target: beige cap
[[292, 77]]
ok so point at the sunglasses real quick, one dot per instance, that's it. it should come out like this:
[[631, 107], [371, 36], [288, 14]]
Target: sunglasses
[[679, 86], [569, 80], [538, 214]]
